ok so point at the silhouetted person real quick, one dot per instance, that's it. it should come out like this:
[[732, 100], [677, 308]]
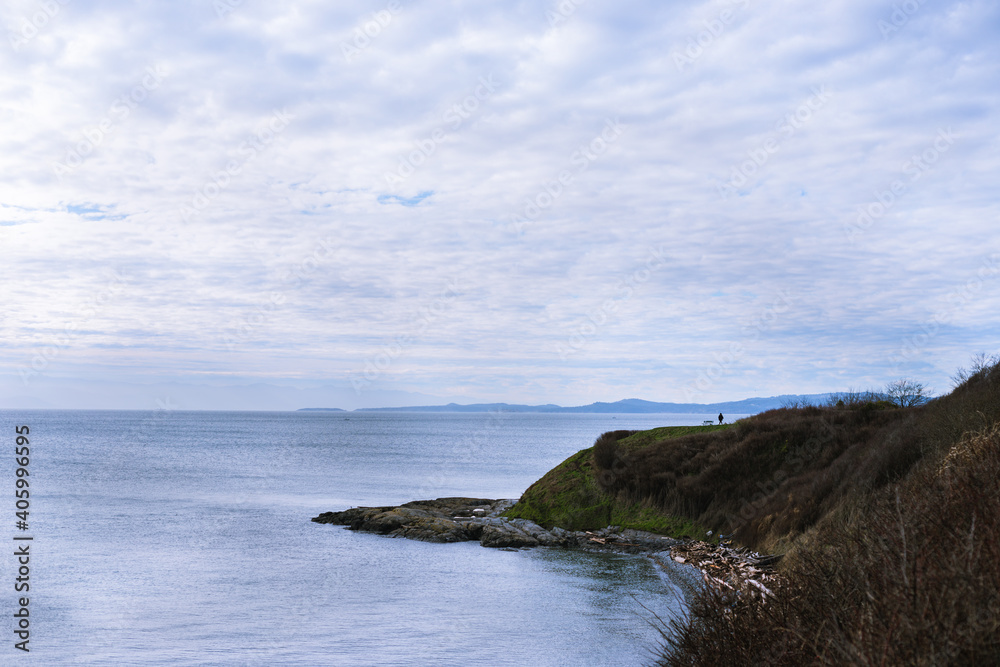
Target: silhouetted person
[[720, 417]]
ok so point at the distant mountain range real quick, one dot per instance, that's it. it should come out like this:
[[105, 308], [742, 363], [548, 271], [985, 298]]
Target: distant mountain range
[[747, 406]]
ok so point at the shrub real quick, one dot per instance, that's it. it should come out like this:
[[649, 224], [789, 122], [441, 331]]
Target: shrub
[[912, 579], [610, 462], [605, 451], [903, 569]]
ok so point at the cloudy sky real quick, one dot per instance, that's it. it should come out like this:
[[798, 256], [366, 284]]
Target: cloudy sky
[[236, 203]]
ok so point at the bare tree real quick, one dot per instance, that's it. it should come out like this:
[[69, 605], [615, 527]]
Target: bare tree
[[906, 393], [983, 366]]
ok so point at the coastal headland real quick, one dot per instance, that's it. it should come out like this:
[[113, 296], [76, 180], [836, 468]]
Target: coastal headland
[[568, 508], [886, 515]]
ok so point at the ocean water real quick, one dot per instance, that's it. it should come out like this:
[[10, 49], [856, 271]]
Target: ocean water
[[184, 538]]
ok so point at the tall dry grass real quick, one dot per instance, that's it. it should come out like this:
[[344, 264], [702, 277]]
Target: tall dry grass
[[905, 572]]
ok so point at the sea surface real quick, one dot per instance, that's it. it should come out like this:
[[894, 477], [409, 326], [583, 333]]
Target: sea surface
[[170, 537]]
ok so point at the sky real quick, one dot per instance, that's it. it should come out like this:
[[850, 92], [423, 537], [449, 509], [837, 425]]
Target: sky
[[245, 204]]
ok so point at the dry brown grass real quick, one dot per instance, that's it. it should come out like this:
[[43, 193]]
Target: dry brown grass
[[769, 477], [903, 570]]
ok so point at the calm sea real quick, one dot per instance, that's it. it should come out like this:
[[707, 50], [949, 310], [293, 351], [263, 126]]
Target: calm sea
[[184, 538]]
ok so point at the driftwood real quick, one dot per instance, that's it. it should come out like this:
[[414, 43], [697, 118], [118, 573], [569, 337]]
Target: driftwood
[[738, 570]]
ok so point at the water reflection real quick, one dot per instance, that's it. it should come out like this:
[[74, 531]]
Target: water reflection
[[634, 594]]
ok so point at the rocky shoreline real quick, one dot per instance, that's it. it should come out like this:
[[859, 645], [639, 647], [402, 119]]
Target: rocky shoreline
[[478, 519]]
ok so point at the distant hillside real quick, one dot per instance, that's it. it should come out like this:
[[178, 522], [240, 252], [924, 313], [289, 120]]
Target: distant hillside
[[747, 406], [475, 407]]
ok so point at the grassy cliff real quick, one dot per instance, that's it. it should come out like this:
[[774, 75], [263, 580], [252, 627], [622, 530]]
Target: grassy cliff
[[572, 496], [889, 518], [767, 479]]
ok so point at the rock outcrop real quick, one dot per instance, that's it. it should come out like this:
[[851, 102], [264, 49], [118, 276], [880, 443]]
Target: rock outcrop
[[441, 520], [478, 519]]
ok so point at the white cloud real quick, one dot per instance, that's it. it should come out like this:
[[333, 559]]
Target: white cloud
[[238, 291]]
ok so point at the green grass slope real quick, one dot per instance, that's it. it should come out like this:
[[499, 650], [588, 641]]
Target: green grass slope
[[571, 495]]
